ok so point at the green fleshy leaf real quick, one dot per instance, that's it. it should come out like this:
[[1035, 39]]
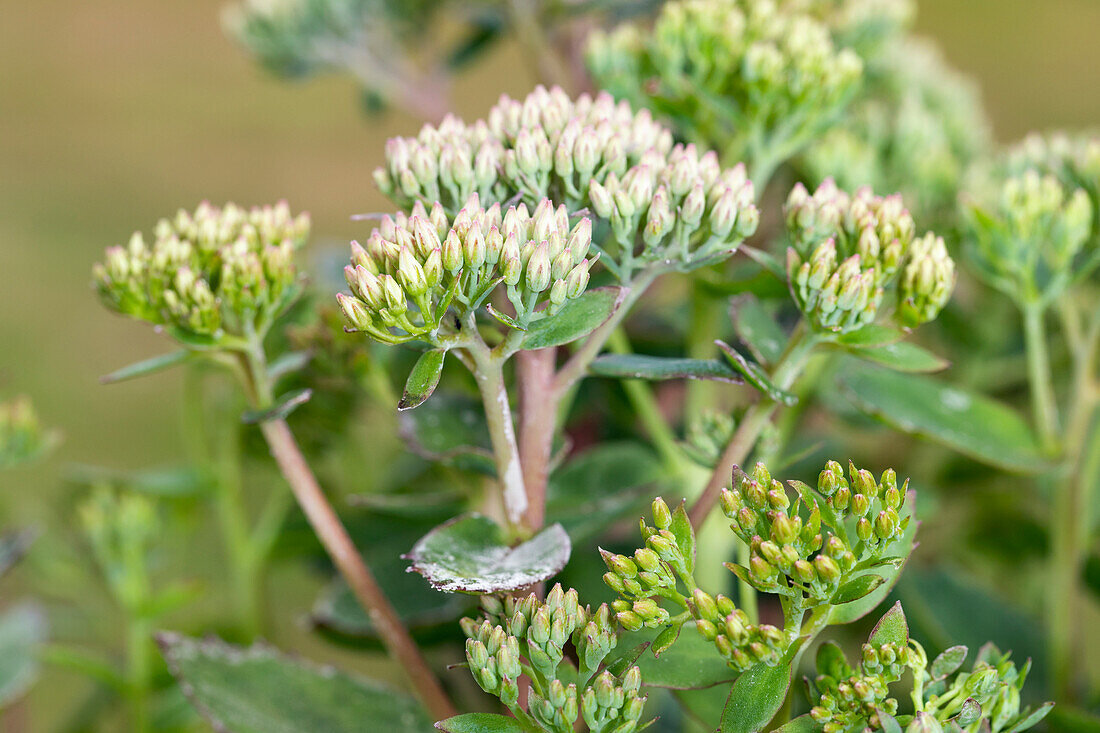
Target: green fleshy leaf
[[480, 723], [892, 628], [969, 713], [758, 330], [599, 486], [704, 706], [258, 690], [758, 694], [830, 659], [888, 722], [469, 555], [423, 379], [690, 663], [756, 376], [685, 535], [504, 318], [149, 366], [858, 587], [873, 334], [22, 629], [449, 429], [1033, 718], [901, 356], [970, 423], [289, 363], [577, 318], [666, 639], [282, 408], [196, 341], [657, 368], [948, 662]]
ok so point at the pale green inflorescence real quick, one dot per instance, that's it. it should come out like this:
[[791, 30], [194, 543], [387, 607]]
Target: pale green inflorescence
[[210, 273], [22, 437], [849, 250], [1028, 235], [665, 204], [520, 633], [915, 128], [986, 697], [756, 80], [413, 268]]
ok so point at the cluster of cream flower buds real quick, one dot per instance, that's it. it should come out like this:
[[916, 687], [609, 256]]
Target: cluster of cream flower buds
[[790, 551], [662, 202], [847, 250], [743, 644], [719, 65], [216, 271], [518, 629], [413, 268], [682, 207], [21, 435], [547, 145], [1074, 159], [1026, 242]]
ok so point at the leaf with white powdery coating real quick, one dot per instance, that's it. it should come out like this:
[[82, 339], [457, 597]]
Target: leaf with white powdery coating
[[469, 555], [258, 690]]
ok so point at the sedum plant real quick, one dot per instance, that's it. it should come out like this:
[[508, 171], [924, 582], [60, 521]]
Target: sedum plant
[[530, 246]]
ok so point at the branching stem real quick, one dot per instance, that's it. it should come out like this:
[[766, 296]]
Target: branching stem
[[330, 530]]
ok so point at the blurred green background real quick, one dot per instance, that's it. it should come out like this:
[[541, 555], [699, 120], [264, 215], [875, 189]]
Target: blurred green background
[[115, 113]]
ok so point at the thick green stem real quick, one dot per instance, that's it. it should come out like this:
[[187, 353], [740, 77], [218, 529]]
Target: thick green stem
[[139, 671], [1071, 519], [538, 409], [334, 537], [755, 419], [706, 314], [1043, 406], [223, 466]]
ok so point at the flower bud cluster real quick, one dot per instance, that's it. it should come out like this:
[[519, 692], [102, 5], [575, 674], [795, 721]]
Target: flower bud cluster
[[546, 145], [926, 282], [662, 202], [518, 631], [121, 529], [743, 644], [1027, 234], [611, 705], [707, 435], [413, 268], [22, 437], [681, 208], [868, 26], [810, 549], [1074, 159], [216, 271], [652, 572], [847, 250], [379, 42], [915, 129], [994, 683], [714, 66], [845, 698]]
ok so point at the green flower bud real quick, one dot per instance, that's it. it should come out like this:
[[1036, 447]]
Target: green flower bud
[[827, 569]]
